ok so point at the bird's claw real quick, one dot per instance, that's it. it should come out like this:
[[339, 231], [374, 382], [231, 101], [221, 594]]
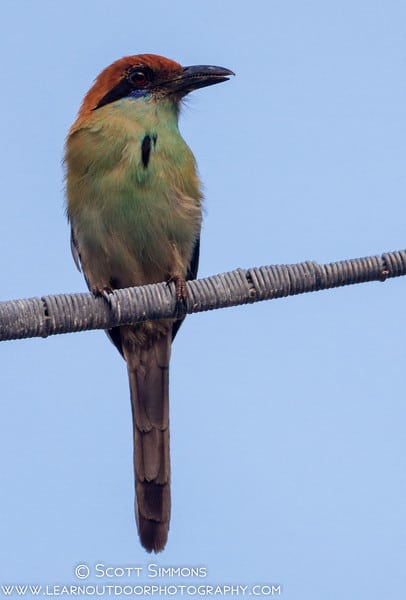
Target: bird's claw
[[104, 292], [180, 287]]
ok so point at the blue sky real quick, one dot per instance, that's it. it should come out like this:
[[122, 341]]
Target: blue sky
[[287, 417]]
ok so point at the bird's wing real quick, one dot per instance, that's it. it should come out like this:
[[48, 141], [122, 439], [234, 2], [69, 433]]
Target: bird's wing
[[191, 274], [75, 250], [194, 263], [74, 246]]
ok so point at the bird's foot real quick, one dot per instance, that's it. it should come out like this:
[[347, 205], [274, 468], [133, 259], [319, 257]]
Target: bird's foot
[[180, 294], [105, 292], [180, 287]]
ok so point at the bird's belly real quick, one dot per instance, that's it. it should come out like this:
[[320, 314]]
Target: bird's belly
[[137, 239]]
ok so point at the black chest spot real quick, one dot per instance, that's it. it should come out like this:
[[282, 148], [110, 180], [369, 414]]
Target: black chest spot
[[146, 148]]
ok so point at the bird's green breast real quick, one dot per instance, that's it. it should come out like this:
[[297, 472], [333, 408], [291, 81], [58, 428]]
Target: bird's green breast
[[133, 195]]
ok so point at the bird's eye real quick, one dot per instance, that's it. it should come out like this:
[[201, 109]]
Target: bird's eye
[[138, 78]]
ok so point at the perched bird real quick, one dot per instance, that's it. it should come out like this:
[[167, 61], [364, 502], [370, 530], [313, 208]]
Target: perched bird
[[134, 205]]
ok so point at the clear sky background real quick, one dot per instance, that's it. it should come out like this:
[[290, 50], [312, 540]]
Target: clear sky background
[[287, 417]]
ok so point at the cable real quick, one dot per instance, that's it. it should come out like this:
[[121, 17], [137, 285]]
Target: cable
[[67, 313]]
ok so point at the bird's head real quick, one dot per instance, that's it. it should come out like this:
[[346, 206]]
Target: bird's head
[[149, 75]]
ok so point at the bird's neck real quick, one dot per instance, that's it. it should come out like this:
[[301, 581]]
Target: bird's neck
[[148, 112], [141, 112]]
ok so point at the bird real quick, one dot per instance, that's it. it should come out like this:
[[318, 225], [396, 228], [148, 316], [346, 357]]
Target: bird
[[134, 204]]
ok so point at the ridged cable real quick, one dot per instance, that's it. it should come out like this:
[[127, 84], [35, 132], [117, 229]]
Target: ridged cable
[[67, 313]]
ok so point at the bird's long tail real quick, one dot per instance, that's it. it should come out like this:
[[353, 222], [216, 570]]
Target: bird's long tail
[[148, 370]]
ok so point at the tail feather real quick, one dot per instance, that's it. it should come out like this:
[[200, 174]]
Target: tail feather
[[148, 370], [153, 535]]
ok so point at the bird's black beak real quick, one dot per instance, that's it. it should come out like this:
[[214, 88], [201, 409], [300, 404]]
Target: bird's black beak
[[198, 76]]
